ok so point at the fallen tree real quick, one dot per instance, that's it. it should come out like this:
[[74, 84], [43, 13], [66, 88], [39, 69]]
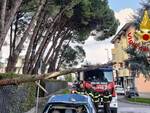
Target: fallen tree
[[32, 78]]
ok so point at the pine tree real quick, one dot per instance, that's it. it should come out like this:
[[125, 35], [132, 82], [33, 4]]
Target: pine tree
[[140, 60]]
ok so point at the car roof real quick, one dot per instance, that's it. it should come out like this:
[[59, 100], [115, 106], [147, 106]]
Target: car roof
[[68, 98]]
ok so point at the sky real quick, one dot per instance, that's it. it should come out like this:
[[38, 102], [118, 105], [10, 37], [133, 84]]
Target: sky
[[118, 5], [98, 52]]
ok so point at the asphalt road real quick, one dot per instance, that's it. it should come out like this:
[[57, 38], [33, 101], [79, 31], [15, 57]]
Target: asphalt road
[[125, 107]]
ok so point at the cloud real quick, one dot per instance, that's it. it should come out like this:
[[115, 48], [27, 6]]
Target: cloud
[[97, 53], [125, 15]]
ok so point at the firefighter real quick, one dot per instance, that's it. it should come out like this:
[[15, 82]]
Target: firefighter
[[80, 89], [95, 97], [107, 97]]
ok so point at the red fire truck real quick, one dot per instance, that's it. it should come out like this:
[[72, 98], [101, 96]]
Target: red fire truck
[[99, 80]]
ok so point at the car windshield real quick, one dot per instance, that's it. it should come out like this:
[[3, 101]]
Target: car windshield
[[98, 76], [65, 108], [119, 89]]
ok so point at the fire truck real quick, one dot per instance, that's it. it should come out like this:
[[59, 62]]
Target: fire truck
[[99, 80]]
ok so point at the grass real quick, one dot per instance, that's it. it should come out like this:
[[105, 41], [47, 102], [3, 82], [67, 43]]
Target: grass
[[140, 100]]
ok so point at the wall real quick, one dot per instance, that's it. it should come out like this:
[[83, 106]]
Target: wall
[[52, 86], [119, 55], [142, 85], [19, 99]]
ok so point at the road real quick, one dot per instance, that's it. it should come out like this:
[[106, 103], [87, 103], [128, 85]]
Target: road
[[125, 107]]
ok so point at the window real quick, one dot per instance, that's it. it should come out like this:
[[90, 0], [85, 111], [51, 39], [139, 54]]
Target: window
[[98, 76], [66, 108]]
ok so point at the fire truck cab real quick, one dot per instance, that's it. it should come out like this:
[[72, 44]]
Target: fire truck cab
[[98, 80]]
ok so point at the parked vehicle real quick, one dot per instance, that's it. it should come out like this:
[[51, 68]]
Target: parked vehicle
[[120, 90], [70, 103], [99, 80], [131, 92]]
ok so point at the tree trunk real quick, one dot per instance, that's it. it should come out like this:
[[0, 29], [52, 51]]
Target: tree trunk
[[29, 50], [54, 57], [43, 46], [11, 66], [60, 60], [32, 78], [26, 34], [3, 15], [9, 21], [53, 46]]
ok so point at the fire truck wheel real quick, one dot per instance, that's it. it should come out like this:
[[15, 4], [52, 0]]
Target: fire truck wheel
[[114, 111]]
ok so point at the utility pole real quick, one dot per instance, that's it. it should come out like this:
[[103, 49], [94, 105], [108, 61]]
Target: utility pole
[[39, 71], [107, 51]]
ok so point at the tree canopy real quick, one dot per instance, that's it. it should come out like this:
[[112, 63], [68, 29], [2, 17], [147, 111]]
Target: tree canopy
[[140, 60], [46, 29]]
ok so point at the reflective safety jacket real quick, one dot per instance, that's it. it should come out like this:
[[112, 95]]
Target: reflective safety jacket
[[81, 92], [95, 96], [107, 98]]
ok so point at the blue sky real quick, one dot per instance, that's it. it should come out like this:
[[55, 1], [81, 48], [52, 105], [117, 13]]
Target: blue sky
[[118, 5]]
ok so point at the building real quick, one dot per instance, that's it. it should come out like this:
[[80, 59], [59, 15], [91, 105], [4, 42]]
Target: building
[[19, 64], [119, 56]]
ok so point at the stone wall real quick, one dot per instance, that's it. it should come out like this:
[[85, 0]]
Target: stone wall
[[19, 99]]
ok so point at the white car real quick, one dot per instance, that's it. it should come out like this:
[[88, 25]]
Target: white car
[[120, 90]]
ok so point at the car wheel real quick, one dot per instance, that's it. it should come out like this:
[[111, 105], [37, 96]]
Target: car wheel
[[129, 96], [137, 94], [114, 111]]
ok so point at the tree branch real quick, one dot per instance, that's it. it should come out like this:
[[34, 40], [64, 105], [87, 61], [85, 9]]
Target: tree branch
[[33, 78]]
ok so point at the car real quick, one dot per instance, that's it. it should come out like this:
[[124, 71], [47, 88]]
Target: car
[[120, 90], [70, 103], [131, 92]]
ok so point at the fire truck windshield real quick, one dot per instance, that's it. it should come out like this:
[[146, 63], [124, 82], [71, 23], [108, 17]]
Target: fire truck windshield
[[98, 76]]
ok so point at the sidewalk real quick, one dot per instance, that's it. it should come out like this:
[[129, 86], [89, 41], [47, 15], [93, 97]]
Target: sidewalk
[[144, 95]]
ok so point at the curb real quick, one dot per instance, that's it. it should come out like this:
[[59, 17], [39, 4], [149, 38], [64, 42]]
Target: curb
[[137, 103]]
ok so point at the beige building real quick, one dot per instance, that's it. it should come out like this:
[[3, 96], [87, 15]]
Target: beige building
[[19, 65], [119, 56]]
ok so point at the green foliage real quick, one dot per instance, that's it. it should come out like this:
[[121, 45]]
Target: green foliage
[[94, 15], [88, 15], [30, 98], [8, 75], [29, 5], [73, 56], [139, 59], [68, 78], [139, 62], [81, 17]]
